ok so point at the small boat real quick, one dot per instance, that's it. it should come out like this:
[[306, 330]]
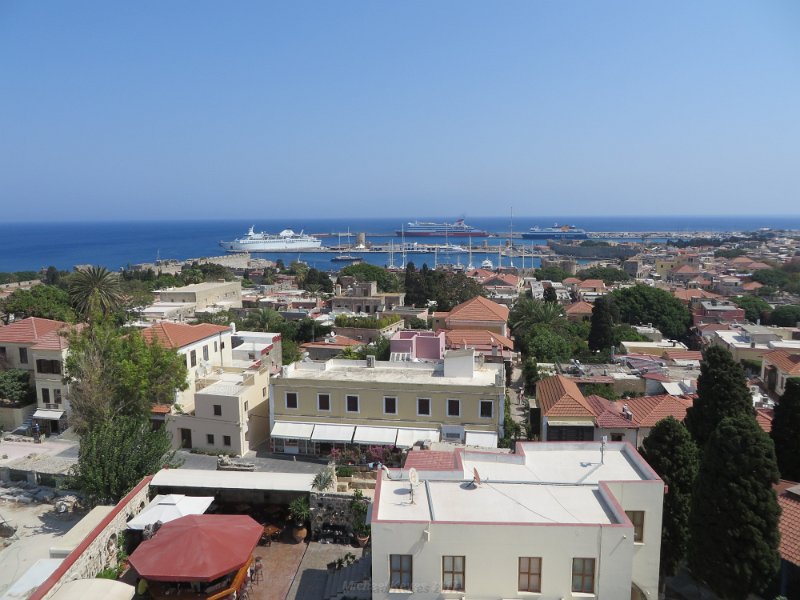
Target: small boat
[[346, 258], [487, 264]]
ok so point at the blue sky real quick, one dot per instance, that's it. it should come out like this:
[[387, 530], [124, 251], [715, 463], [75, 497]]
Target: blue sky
[[197, 109]]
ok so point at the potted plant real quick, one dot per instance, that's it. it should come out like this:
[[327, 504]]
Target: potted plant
[[300, 513], [358, 508]]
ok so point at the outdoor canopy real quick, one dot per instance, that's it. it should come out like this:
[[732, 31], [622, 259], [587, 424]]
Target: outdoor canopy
[[197, 548], [166, 508]]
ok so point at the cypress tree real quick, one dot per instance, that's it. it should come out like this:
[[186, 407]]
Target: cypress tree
[[550, 294], [721, 392], [669, 449], [601, 334], [734, 518], [786, 431]]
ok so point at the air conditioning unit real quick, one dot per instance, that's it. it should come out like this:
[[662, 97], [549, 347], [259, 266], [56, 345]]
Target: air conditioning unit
[[370, 362]]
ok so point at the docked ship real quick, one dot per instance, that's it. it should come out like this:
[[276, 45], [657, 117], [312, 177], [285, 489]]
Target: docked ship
[[564, 232], [426, 228], [285, 241]]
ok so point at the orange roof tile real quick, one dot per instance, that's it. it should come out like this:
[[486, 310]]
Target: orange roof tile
[[502, 279], [160, 409], [649, 410], [682, 355], [757, 266], [789, 524], [688, 295], [785, 361], [685, 269], [476, 337], [29, 331], [479, 309], [341, 341], [559, 396], [178, 335], [752, 285], [764, 418], [431, 460], [571, 280], [579, 308], [592, 283]]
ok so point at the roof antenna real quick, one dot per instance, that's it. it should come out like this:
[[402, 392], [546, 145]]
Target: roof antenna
[[603, 441], [413, 480]]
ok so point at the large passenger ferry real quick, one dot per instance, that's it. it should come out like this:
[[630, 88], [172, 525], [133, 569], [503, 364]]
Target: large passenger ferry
[[426, 228], [285, 241], [564, 232]]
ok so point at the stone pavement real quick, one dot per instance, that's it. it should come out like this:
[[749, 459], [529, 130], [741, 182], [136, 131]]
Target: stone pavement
[[313, 572]]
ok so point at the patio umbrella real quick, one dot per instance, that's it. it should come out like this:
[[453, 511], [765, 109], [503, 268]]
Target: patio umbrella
[[108, 589], [197, 548], [166, 508]]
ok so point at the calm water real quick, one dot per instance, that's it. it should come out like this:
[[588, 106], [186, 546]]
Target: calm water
[[31, 246]]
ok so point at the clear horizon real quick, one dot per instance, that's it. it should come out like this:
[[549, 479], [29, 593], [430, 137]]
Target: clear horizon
[[195, 110]]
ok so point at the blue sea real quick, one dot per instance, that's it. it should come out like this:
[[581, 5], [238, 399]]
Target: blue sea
[[32, 246]]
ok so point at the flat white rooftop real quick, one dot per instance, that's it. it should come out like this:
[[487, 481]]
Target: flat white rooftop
[[414, 373], [559, 462], [233, 480], [463, 502]]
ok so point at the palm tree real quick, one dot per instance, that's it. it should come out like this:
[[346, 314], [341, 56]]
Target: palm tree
[[528, 312], [95, 289]]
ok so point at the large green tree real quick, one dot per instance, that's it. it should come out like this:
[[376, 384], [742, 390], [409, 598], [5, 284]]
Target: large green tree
[[446, 288], [530, 375], [785, 316], [556, 274], [115, 373], [95, 290], [609, 275], [44, 301], [15, 385], [546, 345], [734, 518], [601, 335], [116, 455], [528, 312], [386, 280], [755, 308], [721, 392], [644, 304], [669, 449], [786, 431]]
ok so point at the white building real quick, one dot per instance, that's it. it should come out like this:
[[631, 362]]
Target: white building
[[555, 520]]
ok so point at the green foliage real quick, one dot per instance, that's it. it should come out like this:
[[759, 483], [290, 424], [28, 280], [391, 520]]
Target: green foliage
[[117, 373], [530, 375], [772, 277], [115, 455], [344, 471], [670, 451], [528, 312], [546, 345], [359, 506], [600, 389], [785, 316], [95, 290], [731, 253], [755, 308], [290, 351], [315, 277], [626, 333], [609, 275], [323, 480], [645, 304], [367, 322], [601, 335], [721, 392], [44, 301], [446, 288], [15, 385], [415, 323], [363, 272], [380, 349], [550, 294], [734, 515], [18, 276], [551, 274], [786, 431], [213, 272], [300, 510]]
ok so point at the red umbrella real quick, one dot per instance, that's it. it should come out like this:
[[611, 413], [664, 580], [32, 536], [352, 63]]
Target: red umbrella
[[197, 548]]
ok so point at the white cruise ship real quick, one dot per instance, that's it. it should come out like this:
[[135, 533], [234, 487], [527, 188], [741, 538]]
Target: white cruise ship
[[286, 241]]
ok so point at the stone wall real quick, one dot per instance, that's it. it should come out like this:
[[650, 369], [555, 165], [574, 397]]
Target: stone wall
[[99, 549], [13, 417], [330, 508]]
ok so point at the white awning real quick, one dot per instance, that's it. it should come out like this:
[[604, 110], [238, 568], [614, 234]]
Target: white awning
[[407, 437], [333, 433], [570, 423], [375, 435], [109, 589], [170, 507], [289, 430], [484, 439], [232, 480], [49, 415]]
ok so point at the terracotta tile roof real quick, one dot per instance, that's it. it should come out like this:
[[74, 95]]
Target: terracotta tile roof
[[683, 355], [579, 308], [480, 274], [685, 269], [741, 260], [764, 418], [688, 295], [571, 280], [29, 331], [784, 361], [341, 341], [56, 339], [592, 283], [178, 335], [715, 327], [752, 285], [476, 337], [479, 309], [656, 377], [430, 460], [504, 279], [607, 414], [649, 410], [789, 524], [559, 396], [757, 266], [160, 409]]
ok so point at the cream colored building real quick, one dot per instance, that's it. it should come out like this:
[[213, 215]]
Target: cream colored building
[[221, 295], [555, 520], [314, 406]]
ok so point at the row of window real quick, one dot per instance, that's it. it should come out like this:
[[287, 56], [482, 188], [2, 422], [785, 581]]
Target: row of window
[[226, 439], [193, 354], [454, 572], [42, 366], [352, 405], [46, 396]]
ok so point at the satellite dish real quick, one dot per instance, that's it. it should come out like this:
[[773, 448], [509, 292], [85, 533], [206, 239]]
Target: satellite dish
[[477, 477], [413, 476]]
